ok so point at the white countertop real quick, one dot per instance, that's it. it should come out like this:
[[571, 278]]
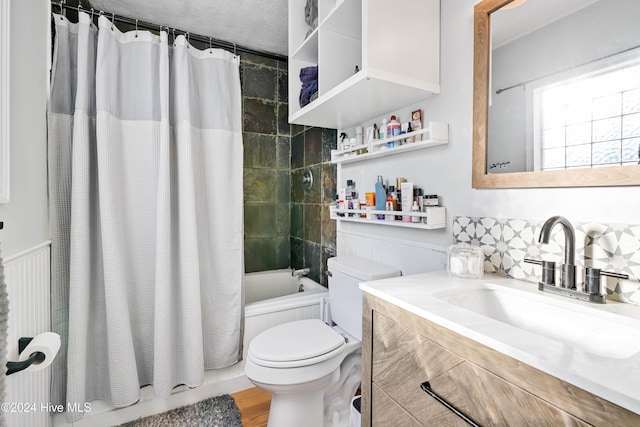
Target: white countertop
[[614, 379]]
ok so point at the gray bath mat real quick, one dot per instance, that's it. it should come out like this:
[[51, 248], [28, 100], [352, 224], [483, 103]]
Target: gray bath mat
[[219, 411]]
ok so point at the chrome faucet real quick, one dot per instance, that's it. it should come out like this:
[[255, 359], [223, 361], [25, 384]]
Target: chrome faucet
[[300, 272], [569, 267], [591, 291]]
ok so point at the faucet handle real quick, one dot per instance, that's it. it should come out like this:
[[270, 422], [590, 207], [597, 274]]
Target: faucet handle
[[592, 279], [548, 270]]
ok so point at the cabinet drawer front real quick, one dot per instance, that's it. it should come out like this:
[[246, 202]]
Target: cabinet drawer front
[[402, 360], [491, 401], [400, 353], [386, 412]]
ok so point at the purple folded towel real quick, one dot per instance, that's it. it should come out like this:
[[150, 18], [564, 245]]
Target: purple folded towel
[[307, 92], [309, 74]]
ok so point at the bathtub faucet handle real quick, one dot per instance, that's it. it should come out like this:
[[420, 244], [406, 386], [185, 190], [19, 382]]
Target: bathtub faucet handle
[[300, 272]]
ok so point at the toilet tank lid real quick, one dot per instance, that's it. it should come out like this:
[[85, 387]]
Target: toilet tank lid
[[361, 268]]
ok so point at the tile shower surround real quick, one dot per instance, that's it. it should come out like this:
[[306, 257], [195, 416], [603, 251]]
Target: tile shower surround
[[507, 242], [285, 225]]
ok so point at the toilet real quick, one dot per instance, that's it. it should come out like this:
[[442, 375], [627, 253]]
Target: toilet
[[313, 369]]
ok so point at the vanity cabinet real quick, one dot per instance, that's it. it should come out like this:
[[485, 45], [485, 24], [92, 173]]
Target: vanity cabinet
[[401, 351], [394, 45]]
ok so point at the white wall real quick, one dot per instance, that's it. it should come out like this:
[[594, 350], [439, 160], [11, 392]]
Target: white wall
[[26, 216], [446, 170]]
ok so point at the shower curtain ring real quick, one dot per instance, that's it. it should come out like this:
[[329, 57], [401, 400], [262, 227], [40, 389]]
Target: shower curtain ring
[[136, 28], [210, 46], [234, 50], [91, 16], [113, 18]]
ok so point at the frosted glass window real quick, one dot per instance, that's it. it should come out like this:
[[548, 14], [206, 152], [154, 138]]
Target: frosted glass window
[[604, 130], [631, 125], [590, 121], [607, 106], [631, 101], [579, 155], [579, 134], [553, 158], [607, 153], [631, 150]]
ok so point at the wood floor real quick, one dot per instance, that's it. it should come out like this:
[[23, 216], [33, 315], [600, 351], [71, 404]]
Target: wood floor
[[254, 406]]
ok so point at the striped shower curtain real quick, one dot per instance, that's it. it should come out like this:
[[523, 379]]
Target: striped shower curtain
[[145, 172]]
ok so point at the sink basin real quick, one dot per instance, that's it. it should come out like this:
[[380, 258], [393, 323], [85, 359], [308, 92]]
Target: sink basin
[[591, 330]]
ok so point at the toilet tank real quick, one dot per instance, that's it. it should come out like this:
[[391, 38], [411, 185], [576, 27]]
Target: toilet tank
[[345, 296]]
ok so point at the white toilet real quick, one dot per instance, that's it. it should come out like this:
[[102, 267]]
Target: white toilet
[[312, 369]]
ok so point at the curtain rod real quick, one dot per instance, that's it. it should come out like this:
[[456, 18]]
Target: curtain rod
[[209, 41]]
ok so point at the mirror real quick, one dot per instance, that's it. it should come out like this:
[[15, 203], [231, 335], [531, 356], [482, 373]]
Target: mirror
[[556, 93]]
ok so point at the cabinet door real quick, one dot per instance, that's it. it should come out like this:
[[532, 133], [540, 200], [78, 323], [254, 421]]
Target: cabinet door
[[403, 359]]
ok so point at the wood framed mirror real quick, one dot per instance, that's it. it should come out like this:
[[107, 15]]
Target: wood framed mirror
[[572, 131]]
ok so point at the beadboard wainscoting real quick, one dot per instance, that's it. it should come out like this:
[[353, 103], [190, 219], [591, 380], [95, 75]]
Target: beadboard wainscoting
[[410, 257], [27, 278]]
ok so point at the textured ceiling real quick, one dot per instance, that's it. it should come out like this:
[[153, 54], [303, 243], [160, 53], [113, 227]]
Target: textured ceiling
[[256, 24]]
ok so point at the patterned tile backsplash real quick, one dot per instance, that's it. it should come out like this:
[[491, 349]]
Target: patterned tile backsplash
[[507, 242]]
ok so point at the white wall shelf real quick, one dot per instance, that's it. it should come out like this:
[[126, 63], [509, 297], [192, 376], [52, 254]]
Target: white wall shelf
[[398, 65], [438, 214], [436, 133]]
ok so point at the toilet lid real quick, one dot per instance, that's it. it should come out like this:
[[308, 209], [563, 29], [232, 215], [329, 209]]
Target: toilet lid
[[293, 341]]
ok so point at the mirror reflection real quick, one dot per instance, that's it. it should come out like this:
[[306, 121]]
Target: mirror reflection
[[564, 85]]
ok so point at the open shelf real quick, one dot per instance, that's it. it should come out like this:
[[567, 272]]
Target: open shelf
[[436, 133], [371, 217], [392, 74]]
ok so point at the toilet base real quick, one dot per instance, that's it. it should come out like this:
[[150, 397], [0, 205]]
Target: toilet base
[[298, 406]]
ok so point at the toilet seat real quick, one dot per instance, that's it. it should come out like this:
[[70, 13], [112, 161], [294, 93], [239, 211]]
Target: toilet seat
[[296, 344]]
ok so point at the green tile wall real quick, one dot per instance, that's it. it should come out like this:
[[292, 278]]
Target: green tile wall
[[267, 153], [285, 224], [313, 234]]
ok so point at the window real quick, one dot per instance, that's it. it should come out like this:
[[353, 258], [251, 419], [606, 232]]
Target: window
[[591, 120]]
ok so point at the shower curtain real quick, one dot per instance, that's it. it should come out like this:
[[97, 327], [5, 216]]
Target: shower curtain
[[145, 172]]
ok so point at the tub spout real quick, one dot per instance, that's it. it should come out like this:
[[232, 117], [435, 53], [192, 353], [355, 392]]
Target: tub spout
[[301, 272]]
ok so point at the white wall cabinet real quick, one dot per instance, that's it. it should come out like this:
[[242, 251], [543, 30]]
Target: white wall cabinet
[[395, 45]]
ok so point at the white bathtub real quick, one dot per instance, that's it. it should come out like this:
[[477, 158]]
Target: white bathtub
[[272, 298]]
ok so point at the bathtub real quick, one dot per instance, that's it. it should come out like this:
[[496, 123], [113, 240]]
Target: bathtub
[[273, 297]]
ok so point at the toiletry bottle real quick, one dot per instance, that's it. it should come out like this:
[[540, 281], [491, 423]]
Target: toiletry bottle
[[415, 208], [389, 208], [350, 194], [399, 182], [393, 128], [391, 197], [381, 196], [359, 137], [383, 129], [407, 199], [409, 130], [342, 138]]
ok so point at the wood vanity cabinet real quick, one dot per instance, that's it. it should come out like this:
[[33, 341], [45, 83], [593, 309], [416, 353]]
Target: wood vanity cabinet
[[401, 351]]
